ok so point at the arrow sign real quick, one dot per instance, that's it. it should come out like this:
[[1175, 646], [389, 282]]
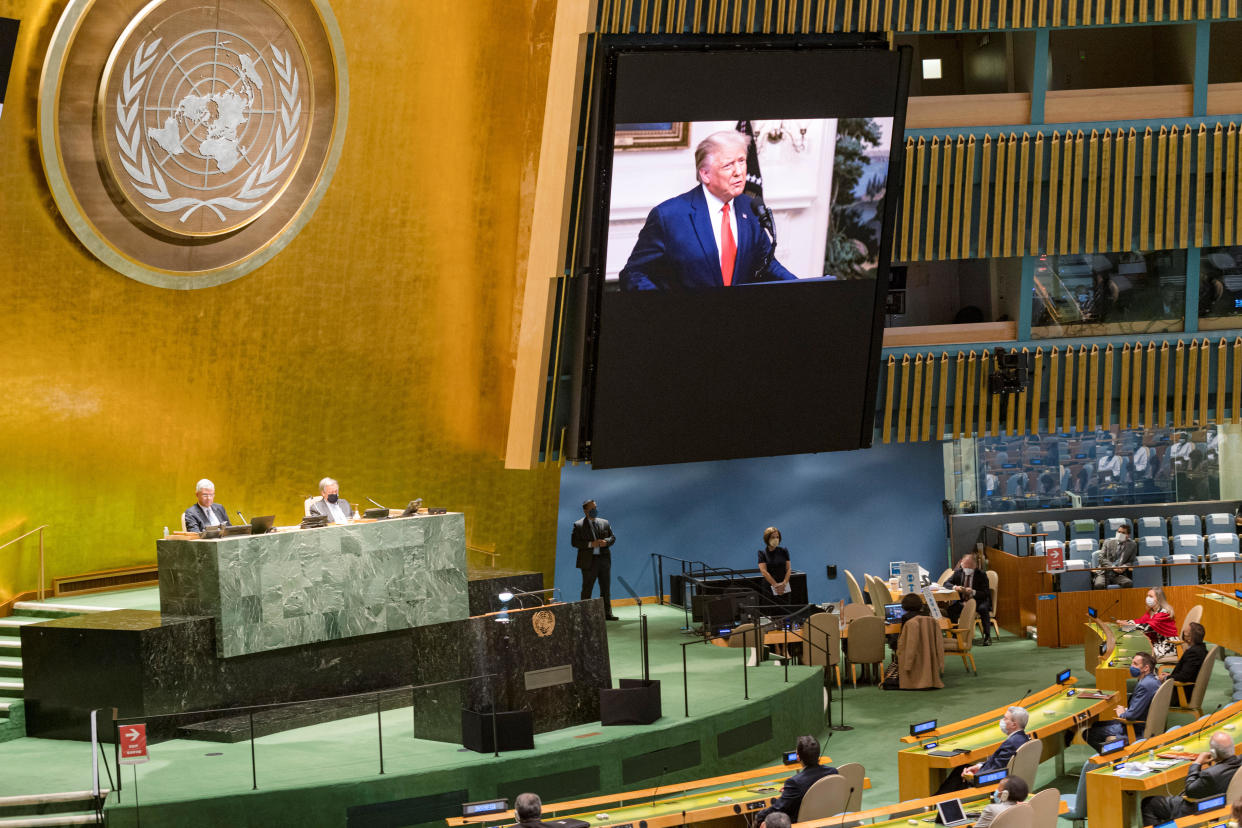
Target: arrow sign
[[133, 744]]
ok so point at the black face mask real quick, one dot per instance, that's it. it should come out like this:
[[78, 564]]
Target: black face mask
[[333, 498]]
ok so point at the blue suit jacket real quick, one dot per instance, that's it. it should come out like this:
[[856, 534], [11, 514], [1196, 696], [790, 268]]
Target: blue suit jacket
[[1001, 756], [677, 248]]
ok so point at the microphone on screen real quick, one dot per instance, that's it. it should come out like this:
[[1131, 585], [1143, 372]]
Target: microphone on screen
[[763, 214]]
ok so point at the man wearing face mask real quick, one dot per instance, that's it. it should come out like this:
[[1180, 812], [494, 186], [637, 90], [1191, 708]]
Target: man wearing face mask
[[1013, 725], [332, 506], [1108, 466], [1010, 791], [1203, 780], [593, 538], [969, 582], [1142, 667], [1113, 561]]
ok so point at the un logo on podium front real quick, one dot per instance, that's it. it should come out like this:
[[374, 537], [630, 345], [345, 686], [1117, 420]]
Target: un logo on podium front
[[216, 127]]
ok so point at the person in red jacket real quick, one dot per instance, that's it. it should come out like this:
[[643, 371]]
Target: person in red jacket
[[1157, 624]]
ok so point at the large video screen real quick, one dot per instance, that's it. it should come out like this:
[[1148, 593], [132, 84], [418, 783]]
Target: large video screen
[[739, 252]]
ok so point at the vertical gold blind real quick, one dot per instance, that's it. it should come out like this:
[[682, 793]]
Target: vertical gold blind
[[1177, 383], [1069, 192]]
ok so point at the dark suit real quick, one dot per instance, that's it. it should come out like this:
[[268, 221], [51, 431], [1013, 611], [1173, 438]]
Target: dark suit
[[796, 786], [1123, 554], [196, 518], [320, 507], [978, 581], [999, 759], [677, 248], [1187, 668], [1201, 783], [595, 562], [1140, 701]]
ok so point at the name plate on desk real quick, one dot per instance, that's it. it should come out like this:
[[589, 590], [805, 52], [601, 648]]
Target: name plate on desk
[[549, 677]]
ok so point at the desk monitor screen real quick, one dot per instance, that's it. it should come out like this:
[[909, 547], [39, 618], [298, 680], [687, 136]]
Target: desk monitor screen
[[791, 757], [950, 813], [262, 525], [1237, 593], [923, 727], [990, 777], [892, 613], [1092, 612], [1113, 746], [1210, 804], [487, 806], [375, 514], [1170, 824], [1063, 676]]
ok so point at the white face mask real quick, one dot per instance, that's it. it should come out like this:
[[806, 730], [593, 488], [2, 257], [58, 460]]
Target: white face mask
[[967, 571], [1121, 536], [1151, 602], [1004, 728]]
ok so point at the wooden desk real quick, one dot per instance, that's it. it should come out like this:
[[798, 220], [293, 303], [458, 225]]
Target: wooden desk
[[922, 810], [719, 799], [1111, 666], [1222, 619], [1112, 797], [1052, 712], [1217, 818]]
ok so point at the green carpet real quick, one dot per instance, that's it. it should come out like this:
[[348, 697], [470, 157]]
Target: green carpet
[[313, 774]]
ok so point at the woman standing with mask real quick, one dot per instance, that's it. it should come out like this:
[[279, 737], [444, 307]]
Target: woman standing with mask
[[774, 566]]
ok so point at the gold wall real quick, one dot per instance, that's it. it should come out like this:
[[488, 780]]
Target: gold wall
[[377, 348]]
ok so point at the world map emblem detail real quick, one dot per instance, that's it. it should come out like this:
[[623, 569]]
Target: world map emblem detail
[[216, 124]]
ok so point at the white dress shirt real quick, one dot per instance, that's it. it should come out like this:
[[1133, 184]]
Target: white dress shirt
[[714, 208], [210, 512]]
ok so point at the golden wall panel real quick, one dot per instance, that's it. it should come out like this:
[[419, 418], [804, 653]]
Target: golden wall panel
[[377, 348]]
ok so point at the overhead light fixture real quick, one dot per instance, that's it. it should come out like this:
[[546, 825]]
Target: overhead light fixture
[[931, 69]]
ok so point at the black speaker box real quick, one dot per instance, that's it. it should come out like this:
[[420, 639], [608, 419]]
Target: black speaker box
[[515, 730], [636, 702]]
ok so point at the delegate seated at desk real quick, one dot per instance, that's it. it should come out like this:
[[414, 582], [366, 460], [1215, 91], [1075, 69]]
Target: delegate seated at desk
[[969, 582], [1114, 559], [1013, 725], [331, 505], [1142, 667], [1202, 781], [1010, 791], [796, 786], [206, 512], [1187, 668], [529, 807]]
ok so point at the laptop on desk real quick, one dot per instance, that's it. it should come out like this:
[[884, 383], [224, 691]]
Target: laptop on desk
[[262, 525], [893, 613], [949, 813]]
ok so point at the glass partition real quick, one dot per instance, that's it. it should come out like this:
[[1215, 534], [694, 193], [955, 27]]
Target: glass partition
[[1108, 293], [1101, 468], [1220, 288]]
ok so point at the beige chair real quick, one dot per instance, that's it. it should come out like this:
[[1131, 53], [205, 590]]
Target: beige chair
[[825, 798], [1021, 815], [1235, 788], [852, 612], [1024, 763], [960, 639], [744, 636], [1196, 689], [856, 776], [822, 643], [993, 580], [856, 594], [1045, 807], [944, 576], [310, 501], [866, 643], [1194, 616], [1157, 715], [880, 595]]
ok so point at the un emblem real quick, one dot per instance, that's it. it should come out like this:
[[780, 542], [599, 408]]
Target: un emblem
[[215, 128]]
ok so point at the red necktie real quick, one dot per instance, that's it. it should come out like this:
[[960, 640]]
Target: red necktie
[[728, 247]]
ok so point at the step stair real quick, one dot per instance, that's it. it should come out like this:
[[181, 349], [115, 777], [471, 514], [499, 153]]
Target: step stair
[[10, 645], [14, 623], [11, 687], [65, 808], [10, 666]]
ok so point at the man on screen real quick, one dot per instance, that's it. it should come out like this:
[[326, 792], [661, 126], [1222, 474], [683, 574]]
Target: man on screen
[[707, 237]]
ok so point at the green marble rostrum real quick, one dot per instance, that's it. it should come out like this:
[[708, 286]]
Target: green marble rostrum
[[297, 587]]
